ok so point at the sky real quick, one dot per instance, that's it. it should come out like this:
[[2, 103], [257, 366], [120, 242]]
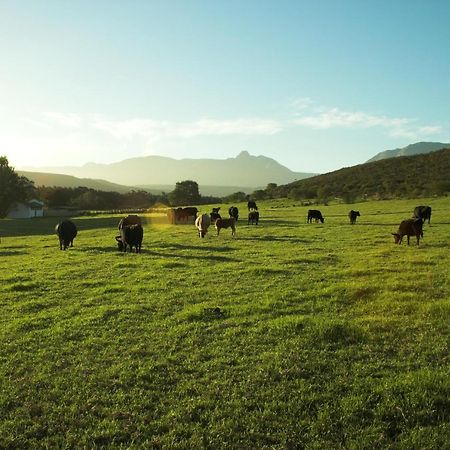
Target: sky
[[316, 85]]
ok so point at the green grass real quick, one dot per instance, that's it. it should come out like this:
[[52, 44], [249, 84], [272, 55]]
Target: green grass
[[328, 335]]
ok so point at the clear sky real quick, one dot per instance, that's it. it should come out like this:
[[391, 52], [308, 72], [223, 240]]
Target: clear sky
[[316, 85]]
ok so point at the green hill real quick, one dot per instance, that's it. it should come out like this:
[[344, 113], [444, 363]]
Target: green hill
[[59, 180], [402, 177]]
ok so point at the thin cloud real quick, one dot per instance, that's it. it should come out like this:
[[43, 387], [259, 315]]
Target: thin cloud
[[327, 118], [64, 119], [154, 129]]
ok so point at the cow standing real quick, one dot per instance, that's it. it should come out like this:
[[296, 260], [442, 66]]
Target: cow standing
[[130, 236], [226, 223], [66, 231], [253, 217], [233, 212], [410, 227], [352, 215], [214, 215], [314, 214], [423, 212], [251, 205]]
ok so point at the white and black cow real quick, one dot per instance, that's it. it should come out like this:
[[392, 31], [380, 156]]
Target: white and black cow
[[202, 224], [130, 236]]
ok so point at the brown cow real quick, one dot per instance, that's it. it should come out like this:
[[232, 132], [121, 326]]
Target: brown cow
[[226, 223], [410, 227]]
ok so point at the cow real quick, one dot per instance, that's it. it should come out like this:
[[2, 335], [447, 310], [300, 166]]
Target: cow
[[251, 205], [314, 214], [423, 212], [131, 219], [226, 223], [66, 231], [352, 215], [233, 212], [130, 235], [202, 223], [214, 215], [253, 217], [409, 227]]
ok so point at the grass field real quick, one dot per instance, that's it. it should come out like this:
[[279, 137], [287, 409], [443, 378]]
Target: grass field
[[327, 335]]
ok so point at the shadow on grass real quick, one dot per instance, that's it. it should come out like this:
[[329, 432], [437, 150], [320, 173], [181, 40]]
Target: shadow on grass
[[293, 240], [195, 247], [12, 253], [168, 254]]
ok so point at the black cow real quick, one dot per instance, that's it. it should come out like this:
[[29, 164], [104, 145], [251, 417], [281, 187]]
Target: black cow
[[423, 212], [130, 235], [214, 215], [352, 215], [251, 205], [233, 212], [66, 231], [314, 214], [410, 227], [253, 217]]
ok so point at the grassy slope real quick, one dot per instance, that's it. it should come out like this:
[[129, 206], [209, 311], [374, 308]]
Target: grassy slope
[[331, 336]]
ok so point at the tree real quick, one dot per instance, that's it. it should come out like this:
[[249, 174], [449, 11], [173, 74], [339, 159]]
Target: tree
[[13, 188], [185, 193]]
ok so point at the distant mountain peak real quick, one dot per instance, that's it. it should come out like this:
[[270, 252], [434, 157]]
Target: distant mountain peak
[[243, 154], [409, 150]]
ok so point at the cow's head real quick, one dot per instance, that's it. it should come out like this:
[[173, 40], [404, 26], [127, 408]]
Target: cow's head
[[119, 243], [397, 237]]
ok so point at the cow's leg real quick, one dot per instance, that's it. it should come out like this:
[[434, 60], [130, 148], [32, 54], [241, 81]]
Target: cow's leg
[[408, 238]]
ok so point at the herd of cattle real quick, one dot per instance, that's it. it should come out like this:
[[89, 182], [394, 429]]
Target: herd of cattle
[[131, 232]]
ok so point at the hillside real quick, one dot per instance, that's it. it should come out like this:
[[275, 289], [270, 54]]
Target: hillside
[[60, 180], [405, 176], [243, 170], [410, 150]]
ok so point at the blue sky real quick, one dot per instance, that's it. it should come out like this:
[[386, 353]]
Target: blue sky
[[315, 85]]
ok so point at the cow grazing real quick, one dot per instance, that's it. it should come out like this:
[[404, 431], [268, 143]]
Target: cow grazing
[[409, 227], [214, 215], [66, 231], [226, 223], [234, 212], [352, 215], [423, 212], [251, 205], [316, 215], [202, 223], [253, 217], [130, 236]]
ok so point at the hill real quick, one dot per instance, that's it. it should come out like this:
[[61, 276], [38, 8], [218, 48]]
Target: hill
[[402, 177], [410, 150], [243, 170], [69, 181], [60, 180]]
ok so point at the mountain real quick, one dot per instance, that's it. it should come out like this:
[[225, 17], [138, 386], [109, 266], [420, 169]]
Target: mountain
[[406, 176], [244, 170], [409, 150], [53, 179]]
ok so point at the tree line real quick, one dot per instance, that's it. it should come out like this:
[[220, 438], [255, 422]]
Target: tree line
[[15, 188]]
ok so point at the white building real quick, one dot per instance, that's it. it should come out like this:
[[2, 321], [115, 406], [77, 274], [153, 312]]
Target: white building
[[27, 210]]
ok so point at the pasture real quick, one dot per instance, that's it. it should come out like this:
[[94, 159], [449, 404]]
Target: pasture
[[291, 335]]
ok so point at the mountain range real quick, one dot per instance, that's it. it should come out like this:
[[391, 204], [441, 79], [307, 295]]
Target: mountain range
[[243, 170], [409, 150]]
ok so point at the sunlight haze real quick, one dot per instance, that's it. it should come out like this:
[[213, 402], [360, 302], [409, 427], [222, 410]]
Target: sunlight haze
[[314, 85]]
